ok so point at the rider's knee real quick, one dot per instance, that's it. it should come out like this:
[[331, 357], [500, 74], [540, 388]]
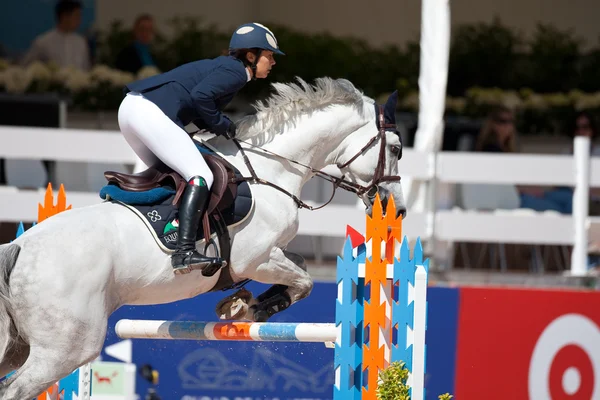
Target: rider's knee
[[208, 177]]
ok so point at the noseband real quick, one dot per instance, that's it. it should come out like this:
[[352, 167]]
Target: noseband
[[342, 183], [378, 177]]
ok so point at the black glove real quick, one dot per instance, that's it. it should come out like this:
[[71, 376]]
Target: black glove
[[231, 131]]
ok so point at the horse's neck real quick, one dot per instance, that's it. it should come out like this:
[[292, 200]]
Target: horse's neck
[[315, 140]]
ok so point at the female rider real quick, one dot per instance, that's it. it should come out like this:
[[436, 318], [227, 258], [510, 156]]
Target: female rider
[[155, 110]]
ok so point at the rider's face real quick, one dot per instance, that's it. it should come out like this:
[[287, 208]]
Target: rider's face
[[264, 64]]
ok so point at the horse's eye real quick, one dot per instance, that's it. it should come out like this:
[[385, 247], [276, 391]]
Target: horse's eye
[[397, 150]]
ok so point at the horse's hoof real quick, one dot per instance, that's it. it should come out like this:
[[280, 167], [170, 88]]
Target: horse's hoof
[[261, 316], [233, 310], [234, 307]]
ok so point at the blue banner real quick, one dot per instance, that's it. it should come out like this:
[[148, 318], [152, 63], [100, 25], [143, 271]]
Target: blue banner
[[440, 340]]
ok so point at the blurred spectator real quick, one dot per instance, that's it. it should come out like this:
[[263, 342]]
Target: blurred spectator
[[498, 134], [62, 45], [138, 54], [584, 124]]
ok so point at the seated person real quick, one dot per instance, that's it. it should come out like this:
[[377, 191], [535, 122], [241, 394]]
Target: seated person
[[498, 135], [138, 54]]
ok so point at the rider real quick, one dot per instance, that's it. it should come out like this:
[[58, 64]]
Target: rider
[[153, 114]]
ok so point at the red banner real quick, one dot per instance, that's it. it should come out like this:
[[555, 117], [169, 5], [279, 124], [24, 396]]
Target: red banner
[[528, 344]]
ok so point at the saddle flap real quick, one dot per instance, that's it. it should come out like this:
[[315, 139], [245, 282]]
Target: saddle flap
[[221, 193], [148, 179]]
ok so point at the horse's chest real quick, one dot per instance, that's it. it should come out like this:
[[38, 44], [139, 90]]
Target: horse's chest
[[288, 224]]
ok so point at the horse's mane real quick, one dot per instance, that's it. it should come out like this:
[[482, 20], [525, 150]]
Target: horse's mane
[[291, 100]]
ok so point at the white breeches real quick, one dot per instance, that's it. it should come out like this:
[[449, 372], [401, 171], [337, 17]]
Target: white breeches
[[153, 136]]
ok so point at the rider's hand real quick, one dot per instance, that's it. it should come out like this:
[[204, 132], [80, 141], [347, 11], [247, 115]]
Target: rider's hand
[[231, 131]]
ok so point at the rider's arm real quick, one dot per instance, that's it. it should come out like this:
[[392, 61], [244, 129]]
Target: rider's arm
[[220, 82]]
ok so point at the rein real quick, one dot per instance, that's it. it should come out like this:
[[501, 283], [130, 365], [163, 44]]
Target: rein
[[341, 182]]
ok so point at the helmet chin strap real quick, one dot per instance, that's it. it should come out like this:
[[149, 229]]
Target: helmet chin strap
[[253, 66]]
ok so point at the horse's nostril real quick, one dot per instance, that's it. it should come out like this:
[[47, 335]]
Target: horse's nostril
[[401, 211]]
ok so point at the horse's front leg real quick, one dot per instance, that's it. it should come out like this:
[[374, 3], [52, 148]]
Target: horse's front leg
[[291, 283]]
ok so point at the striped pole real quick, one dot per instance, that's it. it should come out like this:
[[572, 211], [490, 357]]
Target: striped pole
[[241, 331]]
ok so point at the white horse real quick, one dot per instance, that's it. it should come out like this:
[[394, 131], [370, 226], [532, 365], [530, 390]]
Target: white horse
[[63, 278]]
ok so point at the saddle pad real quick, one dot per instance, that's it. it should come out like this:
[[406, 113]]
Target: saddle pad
[[161, 217], [155, 207], [149, 197]]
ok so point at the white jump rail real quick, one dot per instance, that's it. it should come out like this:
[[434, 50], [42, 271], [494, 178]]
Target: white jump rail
[[510, 226], [255, 331]]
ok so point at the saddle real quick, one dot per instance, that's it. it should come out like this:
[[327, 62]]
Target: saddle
[[224, 191]]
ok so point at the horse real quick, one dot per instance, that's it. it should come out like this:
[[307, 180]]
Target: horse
[[63, 278]]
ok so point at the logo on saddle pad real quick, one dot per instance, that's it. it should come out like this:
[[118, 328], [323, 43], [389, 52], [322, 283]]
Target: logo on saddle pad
[[170, 232], [171, 226], [154, 216]]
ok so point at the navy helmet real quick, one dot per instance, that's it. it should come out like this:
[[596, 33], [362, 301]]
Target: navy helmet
[[254, 36]]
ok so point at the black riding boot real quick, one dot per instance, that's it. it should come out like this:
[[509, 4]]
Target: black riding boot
[[186, 258]]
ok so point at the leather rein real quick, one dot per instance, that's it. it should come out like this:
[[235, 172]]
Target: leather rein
[[342, 183]]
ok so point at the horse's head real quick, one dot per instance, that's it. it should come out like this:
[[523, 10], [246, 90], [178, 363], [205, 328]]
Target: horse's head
[[370, 158]]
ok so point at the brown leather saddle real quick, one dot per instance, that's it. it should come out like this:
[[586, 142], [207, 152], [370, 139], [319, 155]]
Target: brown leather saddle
[[222, 196], [222, 193]]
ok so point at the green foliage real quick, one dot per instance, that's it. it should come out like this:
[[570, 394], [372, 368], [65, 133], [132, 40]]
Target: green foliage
[[589, 71], [552, 60], [111, 42], [191, 41], [392, 383], [374, 70], [482, 54]]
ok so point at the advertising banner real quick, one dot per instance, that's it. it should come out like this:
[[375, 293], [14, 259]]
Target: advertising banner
[[528, 344]]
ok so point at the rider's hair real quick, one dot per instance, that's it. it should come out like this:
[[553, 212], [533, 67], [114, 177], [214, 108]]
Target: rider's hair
[[241, 54]]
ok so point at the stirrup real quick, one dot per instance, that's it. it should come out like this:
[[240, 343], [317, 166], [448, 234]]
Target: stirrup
[[208, 267], [182, 270]]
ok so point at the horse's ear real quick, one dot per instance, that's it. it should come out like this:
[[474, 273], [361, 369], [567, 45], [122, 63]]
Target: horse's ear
[[390, 108], [392, 100]]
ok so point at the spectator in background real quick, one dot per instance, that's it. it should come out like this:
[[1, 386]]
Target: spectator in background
[[62, 45], [498, 134], [138, 54], [584, 124]]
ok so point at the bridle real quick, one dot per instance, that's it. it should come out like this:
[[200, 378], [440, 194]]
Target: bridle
[[342, 183]]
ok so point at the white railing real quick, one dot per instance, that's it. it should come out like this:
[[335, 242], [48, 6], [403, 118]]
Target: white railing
[[450, 224]]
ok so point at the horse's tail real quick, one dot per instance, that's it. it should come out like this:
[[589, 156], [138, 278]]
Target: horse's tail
[[8, 258]]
